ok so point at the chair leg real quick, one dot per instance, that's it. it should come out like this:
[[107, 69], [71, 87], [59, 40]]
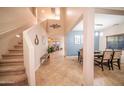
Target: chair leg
[[112, 65], [109, 65], [102, 67], [79, 59], [119, 64]]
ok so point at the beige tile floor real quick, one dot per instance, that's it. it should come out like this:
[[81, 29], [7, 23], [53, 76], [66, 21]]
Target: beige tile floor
[[60, 71], [109, 77], [65, 71]]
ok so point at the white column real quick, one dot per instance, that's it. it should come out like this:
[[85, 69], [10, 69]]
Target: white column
[[88, 46]]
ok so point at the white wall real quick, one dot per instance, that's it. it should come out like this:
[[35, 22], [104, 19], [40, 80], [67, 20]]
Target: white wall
[[75, 14], [12, 18], [8, 40], [32, 52], [118, 29], [13, 21]]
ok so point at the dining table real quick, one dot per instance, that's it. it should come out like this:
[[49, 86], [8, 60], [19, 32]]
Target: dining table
[[98, 54]]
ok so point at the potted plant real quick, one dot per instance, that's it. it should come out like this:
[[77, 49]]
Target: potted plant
[[50, 49]]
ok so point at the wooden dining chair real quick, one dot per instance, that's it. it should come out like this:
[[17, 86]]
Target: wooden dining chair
[[105, 59], [116, 58], [108, 49], [81, 56]]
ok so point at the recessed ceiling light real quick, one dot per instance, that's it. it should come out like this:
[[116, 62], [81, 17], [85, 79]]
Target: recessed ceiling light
[[18, 36]]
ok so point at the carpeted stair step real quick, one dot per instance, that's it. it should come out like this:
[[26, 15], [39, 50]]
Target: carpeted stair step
[[18, 46], [20, 43], [13, 55], [14, 80], [15, 51], [9, 62], [12, 70]]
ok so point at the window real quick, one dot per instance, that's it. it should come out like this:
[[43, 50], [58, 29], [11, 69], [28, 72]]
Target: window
[[115, 42], [77, 39]]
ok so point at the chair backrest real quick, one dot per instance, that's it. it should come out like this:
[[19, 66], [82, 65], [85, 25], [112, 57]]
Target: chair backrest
[[108, 49], [117, 54], [107, 55]]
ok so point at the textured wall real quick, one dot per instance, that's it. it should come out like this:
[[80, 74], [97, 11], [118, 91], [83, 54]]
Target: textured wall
[[72, 48]]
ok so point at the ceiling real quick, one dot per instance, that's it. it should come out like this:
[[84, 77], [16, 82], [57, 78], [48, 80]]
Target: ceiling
[[103, 21], [44, 13], [107, 20], [114, 8]]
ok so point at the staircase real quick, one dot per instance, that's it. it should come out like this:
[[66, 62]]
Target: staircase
[[12, 70]]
